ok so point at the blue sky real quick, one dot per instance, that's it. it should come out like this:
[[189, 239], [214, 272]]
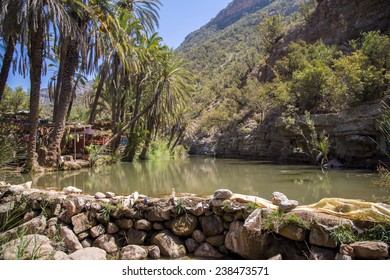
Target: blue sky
[[178, 18]]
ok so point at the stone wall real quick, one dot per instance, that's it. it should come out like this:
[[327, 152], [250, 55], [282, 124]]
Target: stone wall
[[69, 225], [354, 135]]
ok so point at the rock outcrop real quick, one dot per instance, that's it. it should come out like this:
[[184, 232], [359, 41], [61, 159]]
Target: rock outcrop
[[354, 136]]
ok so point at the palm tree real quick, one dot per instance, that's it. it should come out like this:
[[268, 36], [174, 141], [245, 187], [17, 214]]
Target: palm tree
[[35, 18], [94, 19], [135, 17]]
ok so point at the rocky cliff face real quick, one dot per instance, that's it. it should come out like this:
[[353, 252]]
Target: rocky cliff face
[[353, 133], [334, 22], [235, 10]]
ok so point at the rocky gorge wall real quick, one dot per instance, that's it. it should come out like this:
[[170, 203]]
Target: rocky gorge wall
[[70, 225], [354, 135]]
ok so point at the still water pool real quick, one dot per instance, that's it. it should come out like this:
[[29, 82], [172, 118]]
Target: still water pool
[[203, 176]]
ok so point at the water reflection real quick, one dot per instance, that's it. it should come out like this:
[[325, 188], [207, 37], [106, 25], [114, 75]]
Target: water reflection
[[204, 175]]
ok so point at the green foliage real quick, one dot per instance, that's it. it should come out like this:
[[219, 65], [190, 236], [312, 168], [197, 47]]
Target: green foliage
[[109, 208], [249, 206], [159, 149], [346, 235], [11, 147], [276, 220], [94, 153], [180, 206], [315, 145], [14, 100], [343, 235], [180, 152], [270, 30]]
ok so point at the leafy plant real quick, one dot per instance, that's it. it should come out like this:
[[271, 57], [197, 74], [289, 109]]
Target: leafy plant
[[180, 206], [276, 220], [108, 208], [94, 152], [343, 235], [316, 145]]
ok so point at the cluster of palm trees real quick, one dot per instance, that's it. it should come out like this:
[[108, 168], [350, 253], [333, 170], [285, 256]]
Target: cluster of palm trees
[[144, 83]]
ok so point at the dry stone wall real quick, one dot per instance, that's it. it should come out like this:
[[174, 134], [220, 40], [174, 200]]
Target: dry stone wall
[[70, 225]]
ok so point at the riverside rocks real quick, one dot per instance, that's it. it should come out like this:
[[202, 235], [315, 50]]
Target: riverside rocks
[[218, 226]]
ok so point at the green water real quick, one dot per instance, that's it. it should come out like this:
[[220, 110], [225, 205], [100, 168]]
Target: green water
[[199, 175]]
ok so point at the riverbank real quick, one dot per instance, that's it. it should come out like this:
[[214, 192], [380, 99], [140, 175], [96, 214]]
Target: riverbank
[[72, 225]]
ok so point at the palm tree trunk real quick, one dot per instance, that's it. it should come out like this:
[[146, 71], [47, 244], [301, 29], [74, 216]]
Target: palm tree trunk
[[99, 89], [9, 52], [36, 60], [131, 147], [54, 150], [149, 127]]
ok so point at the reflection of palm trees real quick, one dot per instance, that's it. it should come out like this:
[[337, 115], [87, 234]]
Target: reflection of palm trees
[[203, 177]]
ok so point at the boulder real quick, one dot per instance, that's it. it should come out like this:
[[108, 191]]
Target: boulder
[[242, 242], [143, 225], [109, 194], [287, 205], [341, 257], [81, 222], [216, 241], [112, 228], [124, 223], [319, 253], [27, 247], [207, 251], [223, 194], [60, 256], [199, 209], [153, 251], [184, 225], [277, 198], [191, 245], [293, 232], [278, 257], [83, 235], [72, 242], [99, 195], [253, 222], [136, 237], [70, 190], [90, 253], [107, 243], [97, 231], [347, 250], [170, 245], [159, 213], [370, 249], [320, 235], [158, 226], [211, 225], [34, 226], [133, 252], [198, 236]]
